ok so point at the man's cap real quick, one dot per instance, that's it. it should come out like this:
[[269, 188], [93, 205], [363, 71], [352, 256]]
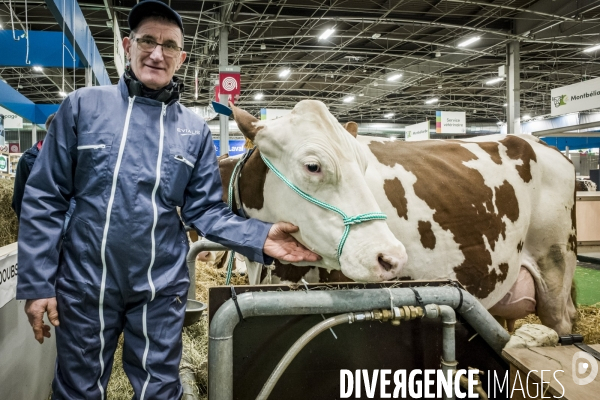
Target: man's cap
[[148, 8]]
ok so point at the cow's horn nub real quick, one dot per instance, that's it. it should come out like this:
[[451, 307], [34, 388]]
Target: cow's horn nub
[[245, 122]]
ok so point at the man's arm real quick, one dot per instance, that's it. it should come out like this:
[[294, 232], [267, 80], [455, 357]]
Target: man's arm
[[45, 203], [209, 215], [21, 176]]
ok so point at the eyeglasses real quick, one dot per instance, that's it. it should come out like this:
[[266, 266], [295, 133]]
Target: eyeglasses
[[148, 45]]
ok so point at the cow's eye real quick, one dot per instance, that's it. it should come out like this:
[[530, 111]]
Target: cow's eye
[[313, 168]]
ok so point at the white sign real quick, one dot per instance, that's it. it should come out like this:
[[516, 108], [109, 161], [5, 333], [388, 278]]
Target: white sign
[[11, 120], [8, 273], [416, 132], [267, 114], [577, 97], [450, 122], [119, 55]]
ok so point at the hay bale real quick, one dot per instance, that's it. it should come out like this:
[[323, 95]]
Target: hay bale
[[588, 323], [9, 226]]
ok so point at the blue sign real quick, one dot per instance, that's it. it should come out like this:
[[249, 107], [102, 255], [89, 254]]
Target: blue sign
[[235, 147]]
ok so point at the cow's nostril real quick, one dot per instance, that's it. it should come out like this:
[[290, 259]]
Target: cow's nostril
[[384, 264]]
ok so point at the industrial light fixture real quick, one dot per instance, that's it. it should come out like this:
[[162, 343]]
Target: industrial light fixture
[[469, 41], [388, 115], [431, 101], [394, 77], [258, 96], [284, 72], [505, 105], [376, 36], [326, 34], [263, 46], [361, 94], [37, 68], [494, 80], [348, 99], [526, 117], [62, 94], [593, 48], [539, 118]]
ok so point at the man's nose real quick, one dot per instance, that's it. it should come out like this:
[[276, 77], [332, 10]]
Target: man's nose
[[157, 53]]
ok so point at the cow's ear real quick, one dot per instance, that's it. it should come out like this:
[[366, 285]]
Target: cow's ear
[[351, 127], [245, 122]]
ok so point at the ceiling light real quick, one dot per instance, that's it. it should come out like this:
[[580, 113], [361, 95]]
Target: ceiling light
[[438, 54], [348, 99], [258, 96], [494, 80], [263, 46], [0, 26], [376, 36], [440, 86], [37, 68], [431, 101], [394, 77], [469, 41], [539, 118], [62, 94], [388, 115], [285, 72], [526, 117], [593, 48], [375, 83], [361, 94], [326, 34], [505, 105]]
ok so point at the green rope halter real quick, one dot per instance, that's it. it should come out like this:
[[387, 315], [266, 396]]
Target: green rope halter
[[348, 221]]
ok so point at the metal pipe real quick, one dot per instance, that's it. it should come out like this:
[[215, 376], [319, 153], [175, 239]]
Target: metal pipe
[[255, 304], [299, 345], [448, 338], [195, 248]]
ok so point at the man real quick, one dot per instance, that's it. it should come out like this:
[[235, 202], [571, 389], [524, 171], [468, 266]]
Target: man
[[127, 156], [24, 167]]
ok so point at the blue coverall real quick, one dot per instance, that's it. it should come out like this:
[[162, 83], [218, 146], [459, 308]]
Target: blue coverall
[[128, 162]]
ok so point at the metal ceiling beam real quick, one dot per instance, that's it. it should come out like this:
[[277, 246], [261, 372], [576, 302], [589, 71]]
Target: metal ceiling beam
[[69, 15], [45, 50]]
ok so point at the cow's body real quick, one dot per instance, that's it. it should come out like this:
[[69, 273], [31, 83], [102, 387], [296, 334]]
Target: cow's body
[[475, 210]]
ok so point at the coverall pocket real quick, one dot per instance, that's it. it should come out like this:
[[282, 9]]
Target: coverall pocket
[[93, 156], [180, 165], [78, 315]]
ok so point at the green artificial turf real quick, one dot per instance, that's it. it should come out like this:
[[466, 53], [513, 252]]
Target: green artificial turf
[[588, 285]]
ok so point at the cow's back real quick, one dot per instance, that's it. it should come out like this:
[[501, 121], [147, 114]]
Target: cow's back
[[474, 209]]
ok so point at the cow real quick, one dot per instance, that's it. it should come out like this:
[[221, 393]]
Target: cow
[[496, 213]]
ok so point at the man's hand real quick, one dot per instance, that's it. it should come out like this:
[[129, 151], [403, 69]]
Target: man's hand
[[282, 246], [35, 310]]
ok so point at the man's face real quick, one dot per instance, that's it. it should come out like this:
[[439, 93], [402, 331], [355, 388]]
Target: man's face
[[154, 68]]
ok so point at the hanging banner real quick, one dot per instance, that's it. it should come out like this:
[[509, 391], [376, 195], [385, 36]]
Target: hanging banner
[[11, 120], [577, 97], [267, 114], [450, 122], [229, 82], [8, 273], [420, 131], [235, 147]]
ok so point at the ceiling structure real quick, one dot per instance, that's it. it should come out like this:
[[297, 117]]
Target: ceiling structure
[[372, 40]]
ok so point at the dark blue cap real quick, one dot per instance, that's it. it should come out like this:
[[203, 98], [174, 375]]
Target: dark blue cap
[[148, 8]]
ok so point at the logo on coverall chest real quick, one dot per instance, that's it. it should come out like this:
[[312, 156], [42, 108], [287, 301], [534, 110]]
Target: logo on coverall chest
[[187, 132]]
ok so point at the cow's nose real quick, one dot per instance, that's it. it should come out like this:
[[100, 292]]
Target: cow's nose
[[388, 262]]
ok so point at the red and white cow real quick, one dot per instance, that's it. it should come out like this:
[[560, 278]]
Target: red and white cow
[[477, 210]]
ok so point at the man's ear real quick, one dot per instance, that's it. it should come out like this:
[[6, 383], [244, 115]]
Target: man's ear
[[127, 46], [182, 58]]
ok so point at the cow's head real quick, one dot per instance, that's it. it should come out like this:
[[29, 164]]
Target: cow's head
[[313, 151]]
